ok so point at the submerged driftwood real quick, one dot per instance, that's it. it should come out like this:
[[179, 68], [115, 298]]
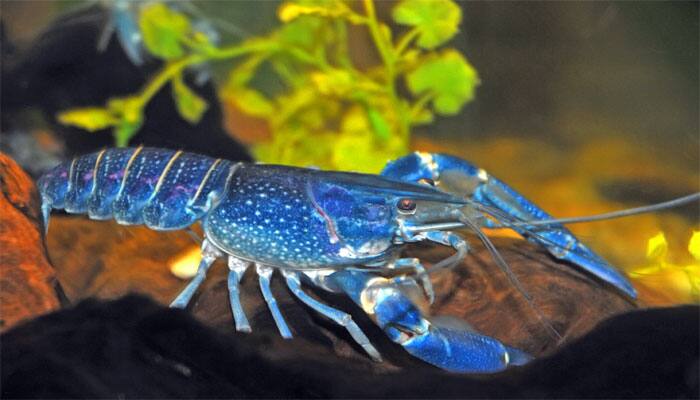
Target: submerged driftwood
[[28, 285]]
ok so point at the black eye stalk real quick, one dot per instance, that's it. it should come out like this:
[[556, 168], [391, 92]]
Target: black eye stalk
[[406, 206]]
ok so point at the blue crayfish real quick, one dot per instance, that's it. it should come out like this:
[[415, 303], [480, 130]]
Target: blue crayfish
[[339, 231]]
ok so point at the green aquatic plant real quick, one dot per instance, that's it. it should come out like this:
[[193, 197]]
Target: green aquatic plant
[[329, 112]]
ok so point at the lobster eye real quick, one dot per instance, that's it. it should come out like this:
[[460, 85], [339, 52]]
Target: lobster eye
[[406, 206], [426, 181]]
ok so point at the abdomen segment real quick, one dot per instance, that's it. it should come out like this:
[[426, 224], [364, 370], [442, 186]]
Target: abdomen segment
[[165, 189]]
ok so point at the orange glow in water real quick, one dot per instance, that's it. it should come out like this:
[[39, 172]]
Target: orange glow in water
[[184, 265]]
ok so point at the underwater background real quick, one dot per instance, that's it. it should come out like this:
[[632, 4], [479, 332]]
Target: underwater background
[[584, 107]]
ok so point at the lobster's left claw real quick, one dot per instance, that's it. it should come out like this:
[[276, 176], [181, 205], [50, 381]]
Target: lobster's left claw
[[388, 303], [459, 177], [461, 351]]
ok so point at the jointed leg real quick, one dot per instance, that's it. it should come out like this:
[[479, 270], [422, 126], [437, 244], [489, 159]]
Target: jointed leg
[[419, 270], [264, 274], [339, 317], [449, 239], [209, 254], [442, 237], [237, 269]]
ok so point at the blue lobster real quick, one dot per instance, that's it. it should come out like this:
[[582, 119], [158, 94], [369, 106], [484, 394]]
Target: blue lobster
[[339, 231]]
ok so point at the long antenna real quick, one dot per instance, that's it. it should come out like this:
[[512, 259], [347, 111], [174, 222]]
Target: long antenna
[[501, 263], [614, 214]]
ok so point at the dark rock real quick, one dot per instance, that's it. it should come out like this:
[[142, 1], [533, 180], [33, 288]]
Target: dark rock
[[134, 348], [28, 285]]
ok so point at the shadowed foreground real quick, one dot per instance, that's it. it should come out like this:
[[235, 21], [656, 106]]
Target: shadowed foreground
[[133, 347]]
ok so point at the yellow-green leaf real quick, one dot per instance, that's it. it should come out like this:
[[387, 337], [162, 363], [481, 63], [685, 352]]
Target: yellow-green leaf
[[297, 146], [124, 131], [251, 101], [356, 148], [334, 82], [304, 31], [410, 57], [657, 248], [449, 78], [362, 153], [129, 111], [163, 30], [291, 10], [354, 121], [694, 245], [385, 31], [355, 153], [422, 117], [379, 124], [437, 20], [245, 71], [190, 106], [89, 118]]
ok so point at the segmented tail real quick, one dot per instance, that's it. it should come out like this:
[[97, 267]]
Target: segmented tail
[[164, 189]]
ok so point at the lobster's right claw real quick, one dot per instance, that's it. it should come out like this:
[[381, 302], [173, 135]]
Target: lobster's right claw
[[387, 302]]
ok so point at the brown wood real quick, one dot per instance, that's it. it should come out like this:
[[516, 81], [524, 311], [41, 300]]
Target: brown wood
[[28, 285], [570, 300]]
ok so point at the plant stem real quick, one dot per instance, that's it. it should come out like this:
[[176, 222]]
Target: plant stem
[[341, 50], [169, 71], [173, 69], [384, 50], [406, 41], [121, 140], [420, 104]]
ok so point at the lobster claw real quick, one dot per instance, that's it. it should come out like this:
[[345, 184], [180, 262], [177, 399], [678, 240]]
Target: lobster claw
[[459, 177], [462, 351], [389, 303]]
